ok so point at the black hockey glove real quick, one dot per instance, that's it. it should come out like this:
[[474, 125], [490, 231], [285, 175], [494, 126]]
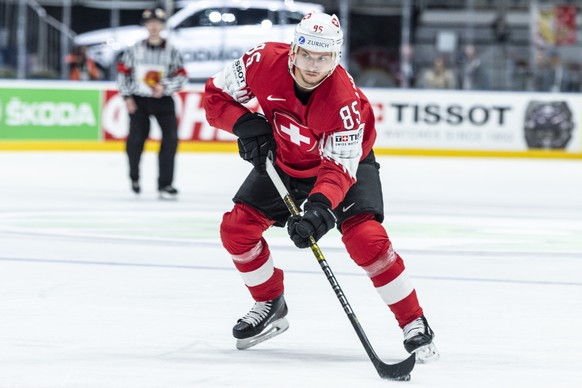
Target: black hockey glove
[[316, 221], [255, 139]]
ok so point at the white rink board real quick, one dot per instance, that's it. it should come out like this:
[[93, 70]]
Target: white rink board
[[406, 119], [460, 120]]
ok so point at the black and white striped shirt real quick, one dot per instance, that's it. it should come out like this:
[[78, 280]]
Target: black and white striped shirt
[[143, 65]]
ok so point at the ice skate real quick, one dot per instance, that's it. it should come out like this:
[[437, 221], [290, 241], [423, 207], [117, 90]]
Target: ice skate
[[418, 339], [135, 187], [168, 192], [265, 320]]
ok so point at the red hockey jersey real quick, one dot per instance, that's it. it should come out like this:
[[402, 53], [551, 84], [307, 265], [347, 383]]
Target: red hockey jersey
[[325, 138]]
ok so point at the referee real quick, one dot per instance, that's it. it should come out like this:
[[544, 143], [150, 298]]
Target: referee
[[148, 74]]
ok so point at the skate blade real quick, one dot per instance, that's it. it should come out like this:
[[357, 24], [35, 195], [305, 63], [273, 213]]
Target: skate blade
[[272, 330], [427, 353], [168, 197]]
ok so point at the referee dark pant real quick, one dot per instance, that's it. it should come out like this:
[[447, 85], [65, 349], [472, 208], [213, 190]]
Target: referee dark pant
[[139, 129]]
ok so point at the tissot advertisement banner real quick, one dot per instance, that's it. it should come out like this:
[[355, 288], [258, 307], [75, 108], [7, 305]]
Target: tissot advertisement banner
[[483, 121]]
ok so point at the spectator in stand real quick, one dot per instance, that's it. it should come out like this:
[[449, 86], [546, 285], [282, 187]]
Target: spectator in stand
[[541, 76], [439, 76], [522, 75], [500, 28], [81, 67], [560, 76], [408, 67], [472, 74], [574, 83], [550, 75]]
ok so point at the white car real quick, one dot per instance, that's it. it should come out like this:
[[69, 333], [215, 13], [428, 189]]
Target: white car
[[208, 33]]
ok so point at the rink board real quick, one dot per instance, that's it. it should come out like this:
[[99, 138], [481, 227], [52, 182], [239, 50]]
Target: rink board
[[63, 115]]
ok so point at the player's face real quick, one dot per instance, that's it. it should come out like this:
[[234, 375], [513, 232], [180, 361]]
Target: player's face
[[312, 67]]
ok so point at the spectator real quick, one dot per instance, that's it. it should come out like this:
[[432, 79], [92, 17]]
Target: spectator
[[81, 67], [522, 75], [472, 73], [148, 74], [560, 77], [551, 75], [500, 28], [540, 74], [408, 67], [574, 83], [439, 76]]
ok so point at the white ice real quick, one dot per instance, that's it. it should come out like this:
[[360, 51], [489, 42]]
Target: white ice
[[99, 289]]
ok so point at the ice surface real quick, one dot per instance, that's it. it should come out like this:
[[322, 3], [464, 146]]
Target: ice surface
[[101, 289]]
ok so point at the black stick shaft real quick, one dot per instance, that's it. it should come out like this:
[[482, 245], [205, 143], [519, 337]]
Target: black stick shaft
[[400, 371]]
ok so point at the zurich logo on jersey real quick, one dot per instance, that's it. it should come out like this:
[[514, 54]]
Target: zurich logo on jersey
[[301, 40]]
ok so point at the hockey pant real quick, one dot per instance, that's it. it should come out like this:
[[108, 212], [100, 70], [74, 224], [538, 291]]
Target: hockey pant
[[139, 129], [365, 239]]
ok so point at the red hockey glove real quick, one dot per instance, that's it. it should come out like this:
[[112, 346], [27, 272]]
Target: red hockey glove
[[316, 221], [255, 139]]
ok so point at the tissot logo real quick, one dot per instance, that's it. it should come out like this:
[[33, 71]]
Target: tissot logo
[[453, 114], [239, 69]]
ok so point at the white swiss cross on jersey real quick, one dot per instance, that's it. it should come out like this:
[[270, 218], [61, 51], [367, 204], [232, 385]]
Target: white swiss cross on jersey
[[291, 131]]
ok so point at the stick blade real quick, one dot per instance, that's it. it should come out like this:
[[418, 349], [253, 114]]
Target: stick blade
[[399, 372]]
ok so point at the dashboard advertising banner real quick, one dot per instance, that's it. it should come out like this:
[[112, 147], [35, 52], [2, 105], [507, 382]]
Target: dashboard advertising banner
[[49, 114], [409, 121], [484, 121], [192, 124]]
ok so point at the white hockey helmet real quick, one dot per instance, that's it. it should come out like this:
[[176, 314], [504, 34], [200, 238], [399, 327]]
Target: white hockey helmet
[[317, 32]]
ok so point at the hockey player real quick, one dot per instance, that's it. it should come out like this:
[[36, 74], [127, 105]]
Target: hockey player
[[321, 128]]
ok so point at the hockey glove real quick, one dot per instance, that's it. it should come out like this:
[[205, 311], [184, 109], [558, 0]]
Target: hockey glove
[[316, 221], [255, 139]]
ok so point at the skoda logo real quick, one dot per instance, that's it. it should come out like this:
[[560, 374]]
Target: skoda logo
[[301, 40]]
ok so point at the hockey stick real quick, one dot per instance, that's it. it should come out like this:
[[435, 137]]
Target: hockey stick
[[400, 371]]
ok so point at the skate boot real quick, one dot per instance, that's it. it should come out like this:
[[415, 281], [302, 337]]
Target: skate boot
[[265, 320], [418, 338], [168, 192], [135, 187]]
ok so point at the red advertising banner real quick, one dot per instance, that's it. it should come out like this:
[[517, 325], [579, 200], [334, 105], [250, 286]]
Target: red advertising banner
[[192, 124]]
